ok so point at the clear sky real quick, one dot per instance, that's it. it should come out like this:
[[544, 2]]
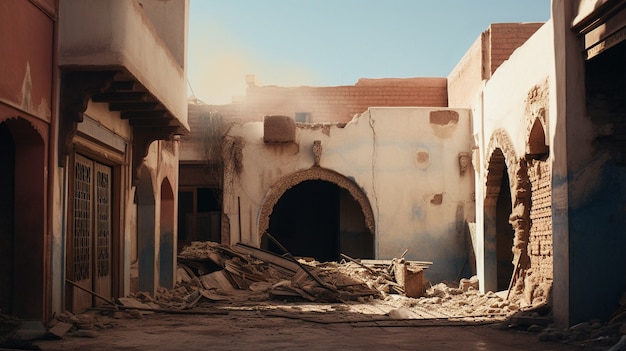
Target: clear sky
[[335, 42]]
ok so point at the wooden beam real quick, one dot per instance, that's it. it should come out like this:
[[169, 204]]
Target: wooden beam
[[132, 96], [144, 114], [133, 106], [151, 122]]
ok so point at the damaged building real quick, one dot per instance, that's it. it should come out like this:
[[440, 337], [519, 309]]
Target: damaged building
[[92, 96], [510, 168]]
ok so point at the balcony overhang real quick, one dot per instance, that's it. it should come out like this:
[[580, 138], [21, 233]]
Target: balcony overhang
[[110, 52]]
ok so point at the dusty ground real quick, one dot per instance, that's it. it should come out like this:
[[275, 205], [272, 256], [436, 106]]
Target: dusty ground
[[271, 325], [358, 309], [292, 326]]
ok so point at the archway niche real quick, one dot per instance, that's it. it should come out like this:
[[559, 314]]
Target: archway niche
[[536, 147], [146, 229], [318, 213], [167, 244]]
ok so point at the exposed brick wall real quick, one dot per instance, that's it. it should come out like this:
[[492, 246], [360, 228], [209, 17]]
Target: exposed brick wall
[[487, 53], [504, 38], [540, 240], [337, 104]]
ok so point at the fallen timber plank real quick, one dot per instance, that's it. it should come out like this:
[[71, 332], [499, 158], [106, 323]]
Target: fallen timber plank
[[109, 301], [267, 256], [309, 273], [388, 262], [370, 269]]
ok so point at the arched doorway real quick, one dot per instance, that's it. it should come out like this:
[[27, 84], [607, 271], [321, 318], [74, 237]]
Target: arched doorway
[[7, 218], [500, 194], [504, 234], [22, 239], [499, 233], [146, 226], [167, 258], [318, 213]]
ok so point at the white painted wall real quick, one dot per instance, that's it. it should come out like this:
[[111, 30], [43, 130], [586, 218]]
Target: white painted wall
[[502, 105], [377, 150]]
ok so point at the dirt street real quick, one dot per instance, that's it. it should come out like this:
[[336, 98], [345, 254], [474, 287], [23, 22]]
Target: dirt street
[[292, 326]]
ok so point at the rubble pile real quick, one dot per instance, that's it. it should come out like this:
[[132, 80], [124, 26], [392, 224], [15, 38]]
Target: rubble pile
[[467, 302], [217, 272]]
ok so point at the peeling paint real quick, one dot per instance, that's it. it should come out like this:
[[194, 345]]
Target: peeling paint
[[444, 122], [27, 87], [444, 117], [437, 199], [423, 159]]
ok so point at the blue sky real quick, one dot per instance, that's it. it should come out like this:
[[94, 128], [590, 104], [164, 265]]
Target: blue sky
[[335, 42]]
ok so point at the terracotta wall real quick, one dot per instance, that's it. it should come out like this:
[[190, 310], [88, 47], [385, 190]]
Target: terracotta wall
[[506, 38], [340, 103]]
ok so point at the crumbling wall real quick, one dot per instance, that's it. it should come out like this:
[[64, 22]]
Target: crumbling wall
[[407, 168], [516, 102], [538, 282]]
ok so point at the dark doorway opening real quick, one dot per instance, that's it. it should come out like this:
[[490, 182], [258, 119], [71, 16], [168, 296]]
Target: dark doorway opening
[[7, 218], [504, 234], [22, 239], [319, 219], [199, 215]]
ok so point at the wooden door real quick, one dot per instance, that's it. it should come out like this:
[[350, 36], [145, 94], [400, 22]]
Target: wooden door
[[102, 232], [90, 245]]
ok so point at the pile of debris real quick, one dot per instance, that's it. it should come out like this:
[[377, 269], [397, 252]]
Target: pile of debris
[[218, 272]]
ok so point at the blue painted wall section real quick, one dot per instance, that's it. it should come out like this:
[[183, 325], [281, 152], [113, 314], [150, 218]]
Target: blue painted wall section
[[597, 230]]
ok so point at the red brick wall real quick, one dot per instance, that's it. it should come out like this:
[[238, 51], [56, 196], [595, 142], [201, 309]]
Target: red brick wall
[[505, 38], [337, 104], [487, 53]]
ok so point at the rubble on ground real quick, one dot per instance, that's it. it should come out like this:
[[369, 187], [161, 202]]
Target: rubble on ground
[[211, 274], [216, 270]]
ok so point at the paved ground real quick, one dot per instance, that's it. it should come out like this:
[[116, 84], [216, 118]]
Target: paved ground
[[292, 326]]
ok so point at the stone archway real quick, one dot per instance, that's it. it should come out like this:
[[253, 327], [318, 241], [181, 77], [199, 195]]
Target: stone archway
[[506, 212], [318, 179], [22, 239]]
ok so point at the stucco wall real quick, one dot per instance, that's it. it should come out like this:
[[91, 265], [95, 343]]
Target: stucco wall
[[519, 92], [466, 79], [405, 160]]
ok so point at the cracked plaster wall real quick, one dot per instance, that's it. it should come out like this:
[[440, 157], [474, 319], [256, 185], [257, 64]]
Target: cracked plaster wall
[[403, 161]]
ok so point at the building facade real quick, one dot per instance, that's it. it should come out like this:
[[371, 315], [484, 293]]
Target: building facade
[[94, 97]]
